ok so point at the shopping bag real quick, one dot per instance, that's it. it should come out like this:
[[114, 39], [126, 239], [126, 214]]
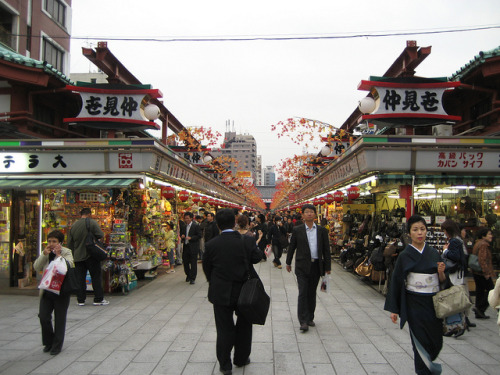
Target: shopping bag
[[268, 250], [54, 275], [451, 301], [325, 284]]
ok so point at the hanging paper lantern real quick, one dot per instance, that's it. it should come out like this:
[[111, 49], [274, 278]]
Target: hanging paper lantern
[[204, 199], [183, 195], [167, 192], [212, 202], [195, 197], [353, 193], [329, 199], [321, 201], [338, 196], [315, 201]]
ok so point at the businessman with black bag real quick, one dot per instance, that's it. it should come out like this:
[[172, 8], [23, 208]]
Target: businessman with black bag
[[227, 261]]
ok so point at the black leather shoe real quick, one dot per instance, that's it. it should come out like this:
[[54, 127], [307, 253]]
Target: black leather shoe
[[480, 314], [192, 282], [304, 327], [469, 323], [247, 362], [226, 372], [55, 352], [311, 323], [47, 348], [187, 279]]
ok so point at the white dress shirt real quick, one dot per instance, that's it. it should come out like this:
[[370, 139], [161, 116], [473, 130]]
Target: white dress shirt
[[312, 238]]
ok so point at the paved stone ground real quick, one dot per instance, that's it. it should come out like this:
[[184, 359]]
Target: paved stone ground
[[167, 327]]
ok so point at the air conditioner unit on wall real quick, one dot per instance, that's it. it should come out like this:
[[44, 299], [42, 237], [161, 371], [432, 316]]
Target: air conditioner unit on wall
[[442, 130]]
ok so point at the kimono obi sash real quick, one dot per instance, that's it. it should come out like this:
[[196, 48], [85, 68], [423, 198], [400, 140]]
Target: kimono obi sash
[[424, 283]]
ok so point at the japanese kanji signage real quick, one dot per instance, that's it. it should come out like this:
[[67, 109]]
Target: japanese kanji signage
[[407, 100], [463, 161], [120, 106]]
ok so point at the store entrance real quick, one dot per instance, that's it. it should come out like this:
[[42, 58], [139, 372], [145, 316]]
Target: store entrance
[[24, 238]]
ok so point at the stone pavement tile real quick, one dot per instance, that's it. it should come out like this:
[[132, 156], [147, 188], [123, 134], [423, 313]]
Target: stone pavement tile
[[282, 326], [172, 363], [490, 369], [99, 351], [84, 343], [210, 333], [184, 342], [262, 352], [344, 321], [262, 333], [56, 364], [115, 363], [475, 355], [255, 368], [379, 369], [346, 363], [79, 368], [201, 368], [313, 353], [402, 363], [285, 343], [168, 333], [10, 355], [136, 342], [336, 345], [353, 335], [385, 344], [310, 336], [461, 364], [288, 364], [152, 351], [318, 369], [20, 367], [28, 341], [138, 368], [367, 353], [203, 352]]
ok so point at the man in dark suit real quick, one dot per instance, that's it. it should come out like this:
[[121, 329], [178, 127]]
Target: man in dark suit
[[313, 260], [190, 238], [227, 260]]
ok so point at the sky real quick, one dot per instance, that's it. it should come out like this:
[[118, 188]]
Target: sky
[[258, 83]]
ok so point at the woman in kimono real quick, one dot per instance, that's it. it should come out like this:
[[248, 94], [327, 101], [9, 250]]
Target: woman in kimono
[[417, 276]]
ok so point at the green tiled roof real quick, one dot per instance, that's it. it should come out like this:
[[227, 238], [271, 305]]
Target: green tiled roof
[[13, 57], [474, 63]]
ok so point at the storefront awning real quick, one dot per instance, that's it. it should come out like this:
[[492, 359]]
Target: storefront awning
[[65, 183], [440, 179]]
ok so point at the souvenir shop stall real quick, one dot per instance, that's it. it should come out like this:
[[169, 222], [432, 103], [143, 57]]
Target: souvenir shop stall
[[382, 180], [132, 186]]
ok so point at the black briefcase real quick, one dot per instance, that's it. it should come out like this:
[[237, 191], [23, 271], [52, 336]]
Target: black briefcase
[[254, 302]]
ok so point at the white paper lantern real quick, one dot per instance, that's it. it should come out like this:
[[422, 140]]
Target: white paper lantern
[[366, 105], [326, 150], [151, 112]]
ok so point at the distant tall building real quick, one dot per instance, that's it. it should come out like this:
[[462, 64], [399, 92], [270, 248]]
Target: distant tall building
[[38, 29], [97, 77], [269, 176], [241, 147]]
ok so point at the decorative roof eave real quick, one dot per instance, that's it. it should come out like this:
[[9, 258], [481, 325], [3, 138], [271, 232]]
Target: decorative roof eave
[[477, 61], [18, 59]]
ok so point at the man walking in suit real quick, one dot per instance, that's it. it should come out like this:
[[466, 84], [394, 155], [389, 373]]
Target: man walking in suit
[[313, 260], [191, 239], [226, 262]]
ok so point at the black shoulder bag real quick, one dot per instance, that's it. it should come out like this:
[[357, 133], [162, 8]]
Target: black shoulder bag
[[95, 248], [253, 302]]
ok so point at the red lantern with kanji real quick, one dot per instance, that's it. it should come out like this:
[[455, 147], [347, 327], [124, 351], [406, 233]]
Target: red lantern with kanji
[[212, 202], [183, 195], [353, 193], [167, 192], [204, 199], [338, 196], [315, 201], [321, 201], [328, 199], [195, 197]]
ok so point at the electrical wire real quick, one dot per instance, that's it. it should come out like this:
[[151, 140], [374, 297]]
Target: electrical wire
[[375, 34]]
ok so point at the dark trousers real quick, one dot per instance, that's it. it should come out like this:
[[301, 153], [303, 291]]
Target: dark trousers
[[483, 286], [190, 262], [53, 336], [278, 252], [94, 268], [307, 293], [229, 334]]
